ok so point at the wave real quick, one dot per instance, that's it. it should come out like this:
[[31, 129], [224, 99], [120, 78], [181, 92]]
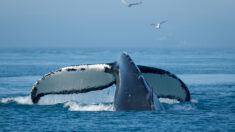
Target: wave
[[182, 107], [194, 101], [75, 106], [102, 106], [72, 105], [50, 100], [168, 101], [19, 100], [57, 99]]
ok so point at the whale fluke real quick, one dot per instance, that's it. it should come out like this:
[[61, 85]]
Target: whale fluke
[[73, 79], [165, 84], [138, 87]]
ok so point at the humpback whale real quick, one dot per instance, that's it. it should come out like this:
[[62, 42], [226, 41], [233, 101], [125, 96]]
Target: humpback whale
[[137, 87]]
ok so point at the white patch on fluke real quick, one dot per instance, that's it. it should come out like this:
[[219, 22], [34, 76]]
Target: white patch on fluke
[[74, 78], [93, 97], [99, 67]]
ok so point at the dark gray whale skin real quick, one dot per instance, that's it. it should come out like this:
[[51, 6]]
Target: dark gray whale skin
[[132, 92]]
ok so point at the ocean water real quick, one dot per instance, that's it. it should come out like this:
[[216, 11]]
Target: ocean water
[[209, 75]]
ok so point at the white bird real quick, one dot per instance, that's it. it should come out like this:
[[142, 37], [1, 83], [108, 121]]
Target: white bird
[[130, 4], [157, 26]]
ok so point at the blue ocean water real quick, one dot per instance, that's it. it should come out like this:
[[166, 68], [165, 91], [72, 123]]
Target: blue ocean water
[[209, 75]]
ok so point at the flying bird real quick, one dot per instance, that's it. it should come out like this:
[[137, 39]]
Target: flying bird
[[157, 26], [130, 4]]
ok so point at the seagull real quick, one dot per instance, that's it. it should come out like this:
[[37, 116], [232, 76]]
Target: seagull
[[157, 26], [130, 4]]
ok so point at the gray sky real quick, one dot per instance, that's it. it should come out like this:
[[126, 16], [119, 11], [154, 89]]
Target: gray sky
[[109, 23]]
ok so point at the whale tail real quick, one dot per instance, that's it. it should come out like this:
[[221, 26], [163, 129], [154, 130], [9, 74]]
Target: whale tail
[[91, 77], [165, 84], [73, 79]]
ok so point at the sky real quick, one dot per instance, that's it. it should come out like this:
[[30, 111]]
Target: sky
[[109, 23]]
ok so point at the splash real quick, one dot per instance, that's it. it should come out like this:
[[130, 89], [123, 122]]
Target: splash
[[86, 105], [19, 100], [168, 101], [194, 101], [94, 97], [182, 107], [74, 106]]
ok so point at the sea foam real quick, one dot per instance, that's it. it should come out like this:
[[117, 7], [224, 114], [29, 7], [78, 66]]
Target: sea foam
[[19, 100], [74, 106]]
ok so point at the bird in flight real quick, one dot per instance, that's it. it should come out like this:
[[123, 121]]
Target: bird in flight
[[130, 4], [157, 26]]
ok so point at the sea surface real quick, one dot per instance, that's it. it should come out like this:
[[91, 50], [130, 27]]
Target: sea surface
[[209, 75]]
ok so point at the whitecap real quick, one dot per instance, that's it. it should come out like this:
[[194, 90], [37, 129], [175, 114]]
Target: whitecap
[[168, 101], [19, 100], [182, 107], [74, 106], [194, 101]]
